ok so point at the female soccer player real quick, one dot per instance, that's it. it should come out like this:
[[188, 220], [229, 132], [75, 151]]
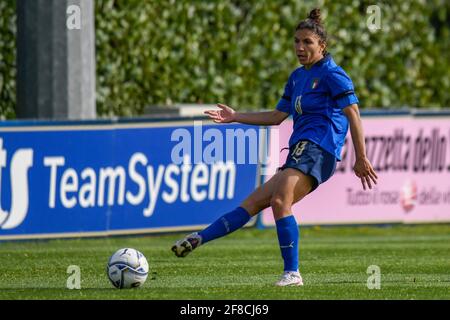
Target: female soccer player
[[321, 99]]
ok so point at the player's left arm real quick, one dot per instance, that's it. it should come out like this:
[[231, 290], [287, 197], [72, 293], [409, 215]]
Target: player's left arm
[[363, 168]]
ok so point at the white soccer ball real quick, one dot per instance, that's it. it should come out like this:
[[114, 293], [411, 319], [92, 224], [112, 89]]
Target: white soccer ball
[[127, 268]]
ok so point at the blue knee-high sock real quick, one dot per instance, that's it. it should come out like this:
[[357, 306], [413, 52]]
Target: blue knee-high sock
[[288, 236], [226, 224]]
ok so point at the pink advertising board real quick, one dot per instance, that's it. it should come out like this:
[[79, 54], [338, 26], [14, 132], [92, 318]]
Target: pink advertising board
[[411, 156]]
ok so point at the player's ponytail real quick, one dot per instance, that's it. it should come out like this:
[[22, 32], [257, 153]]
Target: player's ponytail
[[314, 15], [314, 23]]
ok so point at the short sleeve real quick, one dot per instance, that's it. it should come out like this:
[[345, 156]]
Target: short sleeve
[[341, 88], [284, 105]]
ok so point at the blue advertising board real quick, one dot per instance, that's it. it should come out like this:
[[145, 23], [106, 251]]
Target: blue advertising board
[[122, 178]]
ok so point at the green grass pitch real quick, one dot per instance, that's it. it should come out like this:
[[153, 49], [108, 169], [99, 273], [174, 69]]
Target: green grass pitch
[[414, 262]]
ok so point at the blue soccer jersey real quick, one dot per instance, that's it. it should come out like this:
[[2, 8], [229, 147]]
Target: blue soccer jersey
[[315, 99]]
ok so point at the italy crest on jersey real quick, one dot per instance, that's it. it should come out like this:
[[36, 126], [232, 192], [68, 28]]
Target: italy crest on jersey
[[298, 105]]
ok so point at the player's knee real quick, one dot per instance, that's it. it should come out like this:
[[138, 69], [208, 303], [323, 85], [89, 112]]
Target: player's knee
[[279, 205]]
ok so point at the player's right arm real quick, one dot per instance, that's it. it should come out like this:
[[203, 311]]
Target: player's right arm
[[227, 115]]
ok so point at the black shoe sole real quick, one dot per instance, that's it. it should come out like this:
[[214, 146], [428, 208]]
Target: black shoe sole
[[183, 254]]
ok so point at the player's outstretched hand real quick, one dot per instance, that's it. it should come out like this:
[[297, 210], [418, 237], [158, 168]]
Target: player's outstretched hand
[[224, 115], [364, 170]]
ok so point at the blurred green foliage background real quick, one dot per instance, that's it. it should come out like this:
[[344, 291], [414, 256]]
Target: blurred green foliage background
[[241, 52], [7, 59]]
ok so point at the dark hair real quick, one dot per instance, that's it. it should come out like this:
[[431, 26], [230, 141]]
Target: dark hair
[[314, 23]]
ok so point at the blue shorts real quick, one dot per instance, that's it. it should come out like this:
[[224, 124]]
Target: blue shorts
[[312, 160]]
